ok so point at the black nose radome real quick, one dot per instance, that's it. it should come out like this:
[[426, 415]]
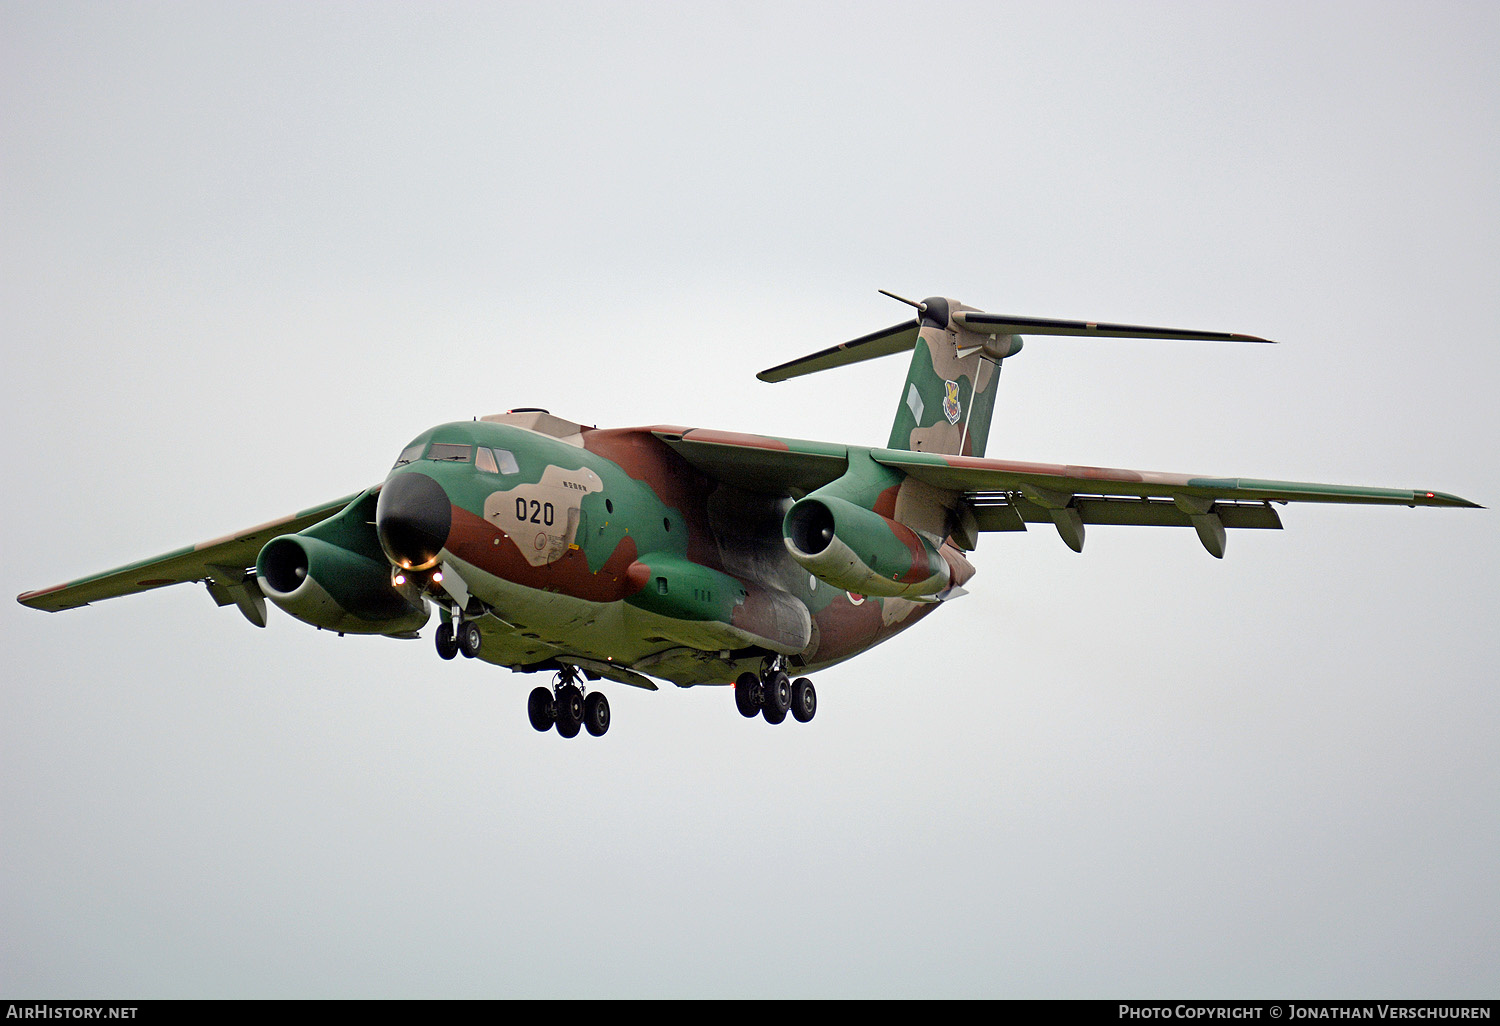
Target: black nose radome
[[412, 518]]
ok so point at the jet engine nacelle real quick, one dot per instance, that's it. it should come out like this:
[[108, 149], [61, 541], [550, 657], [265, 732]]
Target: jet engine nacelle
[[860, 551], [336, 588]]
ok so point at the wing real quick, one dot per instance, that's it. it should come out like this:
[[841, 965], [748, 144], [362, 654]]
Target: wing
[[1006, 495], [758, 463], [225, 564]]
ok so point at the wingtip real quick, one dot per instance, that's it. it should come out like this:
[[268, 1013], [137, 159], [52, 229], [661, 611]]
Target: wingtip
[[38, 600], [33, 598], [1427, 498]]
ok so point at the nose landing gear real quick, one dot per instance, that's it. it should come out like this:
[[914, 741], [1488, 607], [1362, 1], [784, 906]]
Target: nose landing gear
[[464, 637], [447, 642], [469, 639]]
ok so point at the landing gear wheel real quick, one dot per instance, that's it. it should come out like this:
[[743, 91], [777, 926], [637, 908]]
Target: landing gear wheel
[[804, 699], [469, 639], [447, 644], [778, 697], [569, 710], [596, 713], [746, 695], [539, 709]]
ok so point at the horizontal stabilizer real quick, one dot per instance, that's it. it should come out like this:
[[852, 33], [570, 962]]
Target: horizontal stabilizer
[[949, 315], [1005, 324], [898, 338]]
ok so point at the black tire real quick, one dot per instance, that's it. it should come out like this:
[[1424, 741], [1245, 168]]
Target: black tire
[[596, 713], [747, 695], [804, 699], [469, 639], [539, 709], [569, 710], [447, 644], [778, 697]]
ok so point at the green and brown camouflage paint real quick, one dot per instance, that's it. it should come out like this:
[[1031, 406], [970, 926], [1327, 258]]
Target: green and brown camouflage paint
[[667, 551], [644, 554]]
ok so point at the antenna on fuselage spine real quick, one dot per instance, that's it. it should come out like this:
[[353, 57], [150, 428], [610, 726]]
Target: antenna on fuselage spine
[[921, 307]]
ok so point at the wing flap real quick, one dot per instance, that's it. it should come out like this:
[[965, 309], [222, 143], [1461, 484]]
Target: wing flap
[[223, 561], [1013, 513]]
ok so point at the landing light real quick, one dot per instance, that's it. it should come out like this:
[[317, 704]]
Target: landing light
[[400, 579], [437, 577]]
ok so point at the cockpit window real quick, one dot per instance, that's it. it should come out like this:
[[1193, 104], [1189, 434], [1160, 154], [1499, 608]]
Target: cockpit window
[[496, 461], [449, 452], [507, 461], [410, 454]]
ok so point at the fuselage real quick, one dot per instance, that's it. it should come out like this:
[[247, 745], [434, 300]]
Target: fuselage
[[607, 546]]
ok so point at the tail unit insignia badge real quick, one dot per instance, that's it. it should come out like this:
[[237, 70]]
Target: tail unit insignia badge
[[951, 406]]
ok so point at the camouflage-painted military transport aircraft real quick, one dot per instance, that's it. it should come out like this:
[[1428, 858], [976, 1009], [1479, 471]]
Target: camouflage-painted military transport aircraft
[[696, 556]]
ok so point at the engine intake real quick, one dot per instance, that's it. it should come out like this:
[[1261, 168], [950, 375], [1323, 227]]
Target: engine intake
[[333, 588], [860, 551], [334, 576]]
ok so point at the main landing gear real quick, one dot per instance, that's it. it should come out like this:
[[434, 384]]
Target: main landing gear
[[565, 706], [772, 694]]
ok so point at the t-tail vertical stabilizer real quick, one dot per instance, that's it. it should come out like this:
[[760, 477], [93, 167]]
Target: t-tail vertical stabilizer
[[949, 394]]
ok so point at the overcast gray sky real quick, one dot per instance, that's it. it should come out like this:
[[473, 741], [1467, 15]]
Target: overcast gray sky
[[250, 249]]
